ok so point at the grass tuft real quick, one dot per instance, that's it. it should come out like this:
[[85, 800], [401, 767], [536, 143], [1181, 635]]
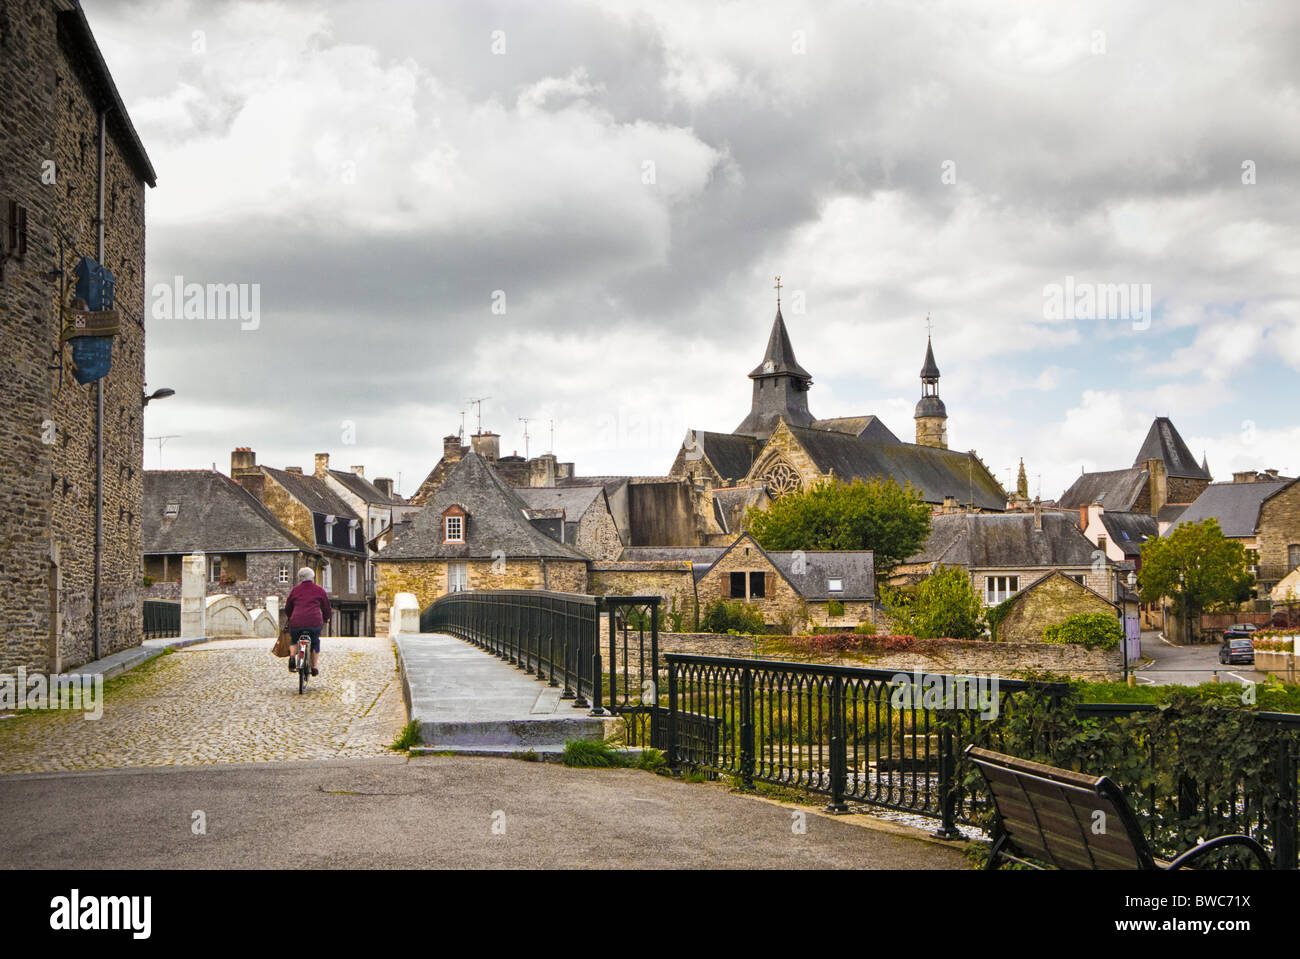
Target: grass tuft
[[408, 737]]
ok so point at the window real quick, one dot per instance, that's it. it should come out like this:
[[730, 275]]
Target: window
[[757, 585], [352, 577], [214, 570], [998, 588], [835, 586], [1293, 556], [1101, 543], [352, 534], [455, 529], [327, 577], [1078, 578], [283, 574], [457, 577], [738, 586], [329, 529]]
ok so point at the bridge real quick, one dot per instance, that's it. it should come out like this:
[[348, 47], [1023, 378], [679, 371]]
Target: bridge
[[521, 671]]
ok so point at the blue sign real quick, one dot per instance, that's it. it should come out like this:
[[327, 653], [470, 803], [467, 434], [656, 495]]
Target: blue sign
[[92, 356]]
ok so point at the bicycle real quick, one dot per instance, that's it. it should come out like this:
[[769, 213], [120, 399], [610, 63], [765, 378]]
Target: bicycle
[[304, 661]]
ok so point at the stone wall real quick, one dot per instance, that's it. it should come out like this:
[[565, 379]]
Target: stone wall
[[261, 578], [427, 579], [598, 533], [1279, 526], [48, 480], [782, 603]]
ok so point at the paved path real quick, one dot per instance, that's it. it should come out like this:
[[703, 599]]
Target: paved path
[[221, 702], [465, 697], [433, 811]]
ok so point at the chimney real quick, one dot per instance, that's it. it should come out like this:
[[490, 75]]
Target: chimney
[[322, 463], [563, 470], [254, 481], [541, 470], [1083, 517], [242, 458], [451, 448], [384, 485], [1159, 483], [949, 504], [296, 470], [1038, 514], [1246, 476], [1272, 474], [360, 471], [487, 445]]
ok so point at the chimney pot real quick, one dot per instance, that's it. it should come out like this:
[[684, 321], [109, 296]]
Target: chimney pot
[[322, 463], [359, 470]]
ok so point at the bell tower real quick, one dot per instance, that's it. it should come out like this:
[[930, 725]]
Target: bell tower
[[780, 384], [931, 415]]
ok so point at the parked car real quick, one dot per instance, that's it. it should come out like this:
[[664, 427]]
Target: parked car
[[1237, 650], [1240, 631]]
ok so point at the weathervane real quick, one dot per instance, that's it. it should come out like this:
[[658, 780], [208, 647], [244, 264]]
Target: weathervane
[[929, 326], [778, 293]]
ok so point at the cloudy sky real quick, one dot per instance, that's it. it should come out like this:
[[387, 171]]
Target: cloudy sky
[[577, 209]]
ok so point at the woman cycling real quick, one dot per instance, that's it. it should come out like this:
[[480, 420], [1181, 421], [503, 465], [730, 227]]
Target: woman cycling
[[308, 609]]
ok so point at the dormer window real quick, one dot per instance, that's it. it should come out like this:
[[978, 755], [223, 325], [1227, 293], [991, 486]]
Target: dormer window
[[835, 585], [329, 528], [352, 532], [454, 522]]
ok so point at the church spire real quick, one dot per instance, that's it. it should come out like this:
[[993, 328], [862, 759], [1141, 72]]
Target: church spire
[[1022, 482], [780, 384], [931, 415]]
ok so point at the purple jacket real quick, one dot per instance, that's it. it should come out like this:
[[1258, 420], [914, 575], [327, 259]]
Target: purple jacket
[[308, 606]]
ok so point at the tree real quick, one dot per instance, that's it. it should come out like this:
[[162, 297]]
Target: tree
[[888, 519], [1197, 567], [945, 604]]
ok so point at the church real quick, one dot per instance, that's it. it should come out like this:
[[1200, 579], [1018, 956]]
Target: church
[[781, 447]]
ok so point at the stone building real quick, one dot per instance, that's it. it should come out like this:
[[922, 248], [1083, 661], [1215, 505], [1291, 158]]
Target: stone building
[[374, 503], [1163, 478], [544, 470], [318, 517], [587, 523], [73, 479], [249, 553], [476, 532], [1263, 515], [780, 447], [1049, 601], [1004, 553]]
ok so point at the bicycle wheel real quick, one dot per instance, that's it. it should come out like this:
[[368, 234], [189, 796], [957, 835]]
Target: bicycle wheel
[[302, 677]]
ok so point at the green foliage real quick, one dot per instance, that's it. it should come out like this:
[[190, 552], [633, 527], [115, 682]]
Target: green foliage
[[605, 754], [881, 516], [1197, 567], [408, 737], [865, 629], [995, 616], [723, 615], [945, 605], [834, 608], [1090, 630]]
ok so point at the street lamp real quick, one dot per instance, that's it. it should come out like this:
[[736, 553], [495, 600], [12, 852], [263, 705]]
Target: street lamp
[[161, 394]]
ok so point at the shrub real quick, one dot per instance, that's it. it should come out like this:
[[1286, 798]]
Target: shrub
[[821, 643], [1089, 630], [865, 629], [945, 605], [722, 616], [834, 607]]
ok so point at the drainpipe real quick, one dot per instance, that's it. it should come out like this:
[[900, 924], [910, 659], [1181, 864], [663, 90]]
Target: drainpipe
[[97, 609]]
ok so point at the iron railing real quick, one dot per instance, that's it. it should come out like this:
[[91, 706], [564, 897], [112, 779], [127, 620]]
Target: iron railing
[[847, 734], [549, 635], [162, 619]]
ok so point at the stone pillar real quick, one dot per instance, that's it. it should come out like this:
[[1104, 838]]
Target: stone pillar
[[273, 607], [194, 595], [404, 616]]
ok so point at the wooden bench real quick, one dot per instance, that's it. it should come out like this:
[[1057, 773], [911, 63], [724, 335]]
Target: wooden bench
[[1072, 820]]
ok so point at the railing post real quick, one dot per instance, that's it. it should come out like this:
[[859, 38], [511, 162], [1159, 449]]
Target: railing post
[[585, 643], [839, 750], [550, 650], [747, 728], [1283, 824], [568, 687], [947, 788], [674, 761], [613, 655], [597, 673]]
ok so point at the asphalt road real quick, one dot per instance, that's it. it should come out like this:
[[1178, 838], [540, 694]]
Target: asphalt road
[[435, 811], [1188, 665]]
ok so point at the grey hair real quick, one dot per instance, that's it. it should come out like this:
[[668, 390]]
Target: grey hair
[[305, 574]]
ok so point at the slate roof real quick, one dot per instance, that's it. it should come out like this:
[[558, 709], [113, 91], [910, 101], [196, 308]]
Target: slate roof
[[854, 568], [1117, 489], [780, 353], [1004, 540], [1129, 531], [699, 555], [730, 454], [726, 500], [1234, 505], [497, 521], [311, 492], [361, 487], [1170, 512], [573, 500], [1164, 443], [866, 427], [935, 472], [929, 369], [609, 483], [216, 515]]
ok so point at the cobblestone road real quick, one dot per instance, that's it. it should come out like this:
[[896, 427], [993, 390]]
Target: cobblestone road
[[221, 702]]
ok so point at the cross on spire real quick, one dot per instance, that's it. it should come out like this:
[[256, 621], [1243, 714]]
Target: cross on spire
[[778, 293], [929, 326]]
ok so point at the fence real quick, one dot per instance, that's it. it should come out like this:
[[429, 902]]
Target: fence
[[162, 620], [867, 737]]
